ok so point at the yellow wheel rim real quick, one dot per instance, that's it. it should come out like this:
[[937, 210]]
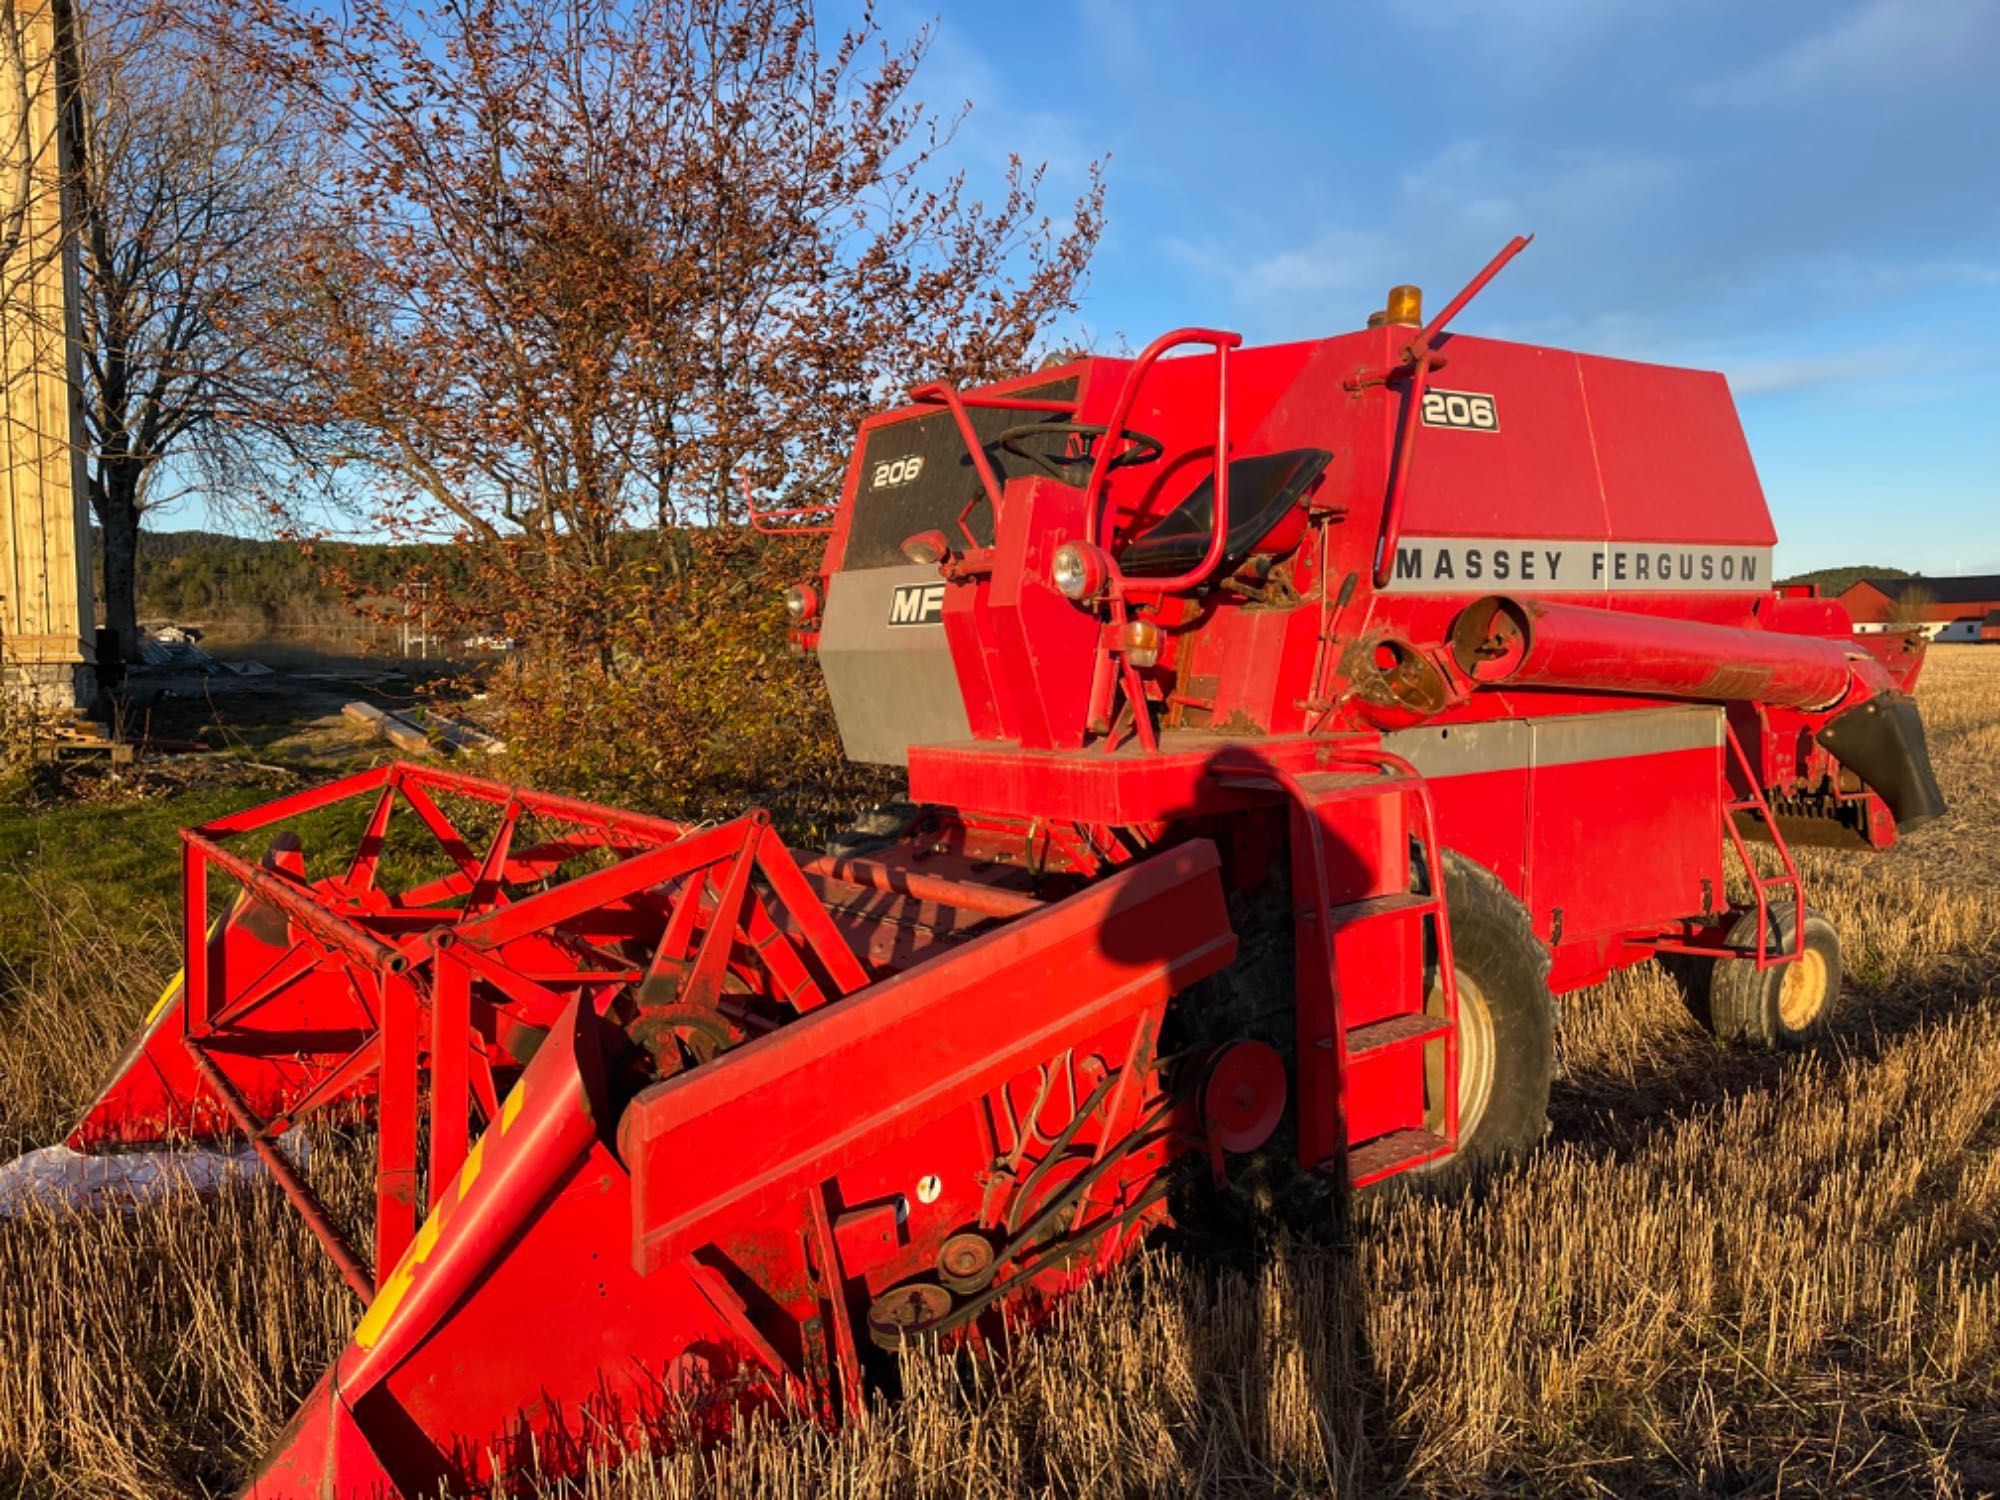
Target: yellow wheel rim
[[1477, 1054], [1802, 995]]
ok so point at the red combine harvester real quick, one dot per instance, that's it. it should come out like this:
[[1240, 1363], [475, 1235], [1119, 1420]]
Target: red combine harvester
[[1284, 728]]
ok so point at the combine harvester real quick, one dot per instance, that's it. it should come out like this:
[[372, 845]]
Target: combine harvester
[[1285, 728]]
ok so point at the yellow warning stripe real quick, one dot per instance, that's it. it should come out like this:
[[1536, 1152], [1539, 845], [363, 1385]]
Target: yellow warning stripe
[[397, 1287], [180, 978], [383, 1308], [166, 997], [469, 1173]]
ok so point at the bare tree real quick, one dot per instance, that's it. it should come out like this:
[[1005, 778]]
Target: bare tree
[[184, 173], [1912, 611]]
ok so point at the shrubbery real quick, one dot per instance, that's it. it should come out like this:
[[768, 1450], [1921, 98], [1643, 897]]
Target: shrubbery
[[672, 688]]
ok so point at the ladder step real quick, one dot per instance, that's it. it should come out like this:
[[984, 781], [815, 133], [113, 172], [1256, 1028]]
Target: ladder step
[[1350, 912], [1395, 1031], [1329, 785], [1391, 1153]]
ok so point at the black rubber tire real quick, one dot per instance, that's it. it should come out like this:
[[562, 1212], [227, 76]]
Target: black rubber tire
[[1253, 998], [1495, 951], [1788, 1005]]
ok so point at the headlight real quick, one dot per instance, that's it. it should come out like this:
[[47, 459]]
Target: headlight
[[1078, 571], [801, 602]]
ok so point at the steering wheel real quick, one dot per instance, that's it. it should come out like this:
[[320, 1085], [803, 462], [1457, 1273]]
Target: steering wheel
[[1139, 448]]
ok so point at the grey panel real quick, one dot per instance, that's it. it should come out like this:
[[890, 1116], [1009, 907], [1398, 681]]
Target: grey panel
[[1465, 749], [892, 686], [1640, 731], [1513, 744]]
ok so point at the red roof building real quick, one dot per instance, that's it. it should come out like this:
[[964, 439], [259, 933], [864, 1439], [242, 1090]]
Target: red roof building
[[1948, 609]]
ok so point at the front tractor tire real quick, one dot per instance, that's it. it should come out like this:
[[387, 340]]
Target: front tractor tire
[[1788, 1005], [1506, 1018]]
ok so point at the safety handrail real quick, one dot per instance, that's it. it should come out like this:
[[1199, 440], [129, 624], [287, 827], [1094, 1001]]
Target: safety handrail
[[943, 391], [1114, 433], [758, 517], [1419, 357]]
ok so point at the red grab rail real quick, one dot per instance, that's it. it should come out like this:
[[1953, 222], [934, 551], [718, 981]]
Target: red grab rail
[[1114, 431]]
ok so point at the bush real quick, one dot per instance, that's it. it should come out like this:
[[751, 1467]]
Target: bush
[[665, 682]]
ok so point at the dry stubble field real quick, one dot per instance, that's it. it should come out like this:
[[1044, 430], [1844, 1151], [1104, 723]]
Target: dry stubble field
[[1726, 1274]]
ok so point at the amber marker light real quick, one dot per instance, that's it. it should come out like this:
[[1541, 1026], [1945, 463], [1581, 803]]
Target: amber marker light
[[1142, 643]]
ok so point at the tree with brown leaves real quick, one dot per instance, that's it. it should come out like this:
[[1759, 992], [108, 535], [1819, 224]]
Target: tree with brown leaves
[[581, 268], [577, 273]]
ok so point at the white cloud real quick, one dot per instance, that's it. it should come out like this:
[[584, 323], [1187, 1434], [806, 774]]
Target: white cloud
[[1850, 276], [1534, 38], [1448, 214], [1336, 261], [1759, 377], [1877, 41], [955, 75]]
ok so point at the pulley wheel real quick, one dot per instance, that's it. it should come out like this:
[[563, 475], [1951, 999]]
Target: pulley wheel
[[1243, 1097], [681, 1037], [965, 1261], [905, 1309]]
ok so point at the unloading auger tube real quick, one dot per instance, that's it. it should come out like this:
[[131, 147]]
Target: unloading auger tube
[[1413, 677]]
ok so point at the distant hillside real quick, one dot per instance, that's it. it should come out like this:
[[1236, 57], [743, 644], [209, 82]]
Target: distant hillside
[[1834, 581], [207, 575]]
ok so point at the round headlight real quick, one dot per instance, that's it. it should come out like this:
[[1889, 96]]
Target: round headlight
[[801, 601], [1077, 571]]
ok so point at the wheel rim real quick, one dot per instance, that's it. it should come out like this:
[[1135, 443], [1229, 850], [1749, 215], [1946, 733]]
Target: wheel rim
[[1476, 1055], [1802, 991]]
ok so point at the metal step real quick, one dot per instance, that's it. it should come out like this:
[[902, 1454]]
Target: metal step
[[1394, 1031], [1351, 912], [1395, 1152], [1326, 786]]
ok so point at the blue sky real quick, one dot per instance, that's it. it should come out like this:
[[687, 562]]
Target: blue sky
[[1804, 196]]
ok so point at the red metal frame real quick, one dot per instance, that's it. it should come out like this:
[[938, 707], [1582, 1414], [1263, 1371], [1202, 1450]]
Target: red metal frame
[[382, 987], [416, 955], [1752, 801]]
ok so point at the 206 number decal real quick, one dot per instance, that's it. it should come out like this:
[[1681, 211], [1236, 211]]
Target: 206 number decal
[[1471, 411], [896, 471]]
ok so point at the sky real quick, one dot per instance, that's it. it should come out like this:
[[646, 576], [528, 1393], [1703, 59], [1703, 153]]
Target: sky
[[1803, 196]]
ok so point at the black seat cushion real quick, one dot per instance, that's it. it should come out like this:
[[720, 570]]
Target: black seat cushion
[[1261, 491]]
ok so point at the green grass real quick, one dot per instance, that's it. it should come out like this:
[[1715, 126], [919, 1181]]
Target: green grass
[[104, 854]]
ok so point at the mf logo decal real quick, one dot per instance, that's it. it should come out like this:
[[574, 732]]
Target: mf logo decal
[[896, 471], [917, 604], [1469, 410]]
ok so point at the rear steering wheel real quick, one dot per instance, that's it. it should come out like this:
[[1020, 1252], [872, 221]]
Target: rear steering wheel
[[1139, 447]]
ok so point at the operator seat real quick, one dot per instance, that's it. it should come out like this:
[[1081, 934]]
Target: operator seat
[[1262, 492]]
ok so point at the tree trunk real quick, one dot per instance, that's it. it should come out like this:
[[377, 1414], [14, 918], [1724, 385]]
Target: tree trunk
[[115, 497]]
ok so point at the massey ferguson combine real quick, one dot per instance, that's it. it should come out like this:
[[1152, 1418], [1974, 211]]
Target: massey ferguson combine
[[1284, 727]]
